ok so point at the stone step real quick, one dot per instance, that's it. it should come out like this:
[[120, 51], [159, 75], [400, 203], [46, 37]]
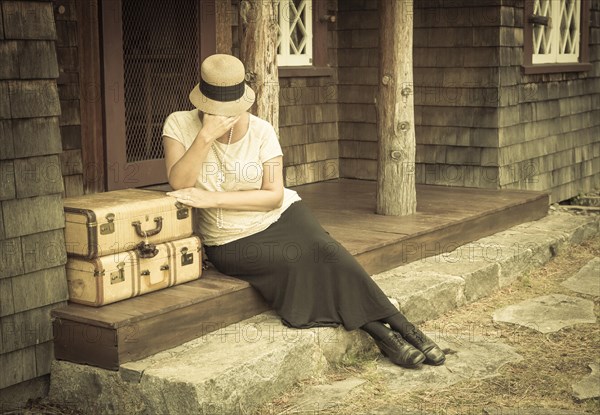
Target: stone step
[[434, 285], [233, 370], [241, 367]]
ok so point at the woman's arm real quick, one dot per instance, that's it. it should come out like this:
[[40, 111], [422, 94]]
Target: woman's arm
[[183, 167], [270, 195]]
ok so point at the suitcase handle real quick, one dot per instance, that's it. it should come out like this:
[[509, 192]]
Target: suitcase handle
[[155, 281], [144, 234]]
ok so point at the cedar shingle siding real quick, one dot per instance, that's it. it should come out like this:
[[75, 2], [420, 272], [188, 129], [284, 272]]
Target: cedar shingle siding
[[549, 125], [67, 50], [358, 73], [480, 122], [32, 252], [308, 129]]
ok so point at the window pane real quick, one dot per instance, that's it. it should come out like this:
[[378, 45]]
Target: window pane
[[279, 20], [297, 27], [569, 27], [542, 35]]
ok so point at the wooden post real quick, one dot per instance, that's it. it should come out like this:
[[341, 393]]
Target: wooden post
[[258, 51], [90, 104], [223, 26], [396, 194]]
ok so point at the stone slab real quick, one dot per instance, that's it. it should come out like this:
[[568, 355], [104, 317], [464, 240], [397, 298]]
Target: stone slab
[[517, 253], [548, 313], [467, 358], [423, 295], [319, 398], [469, 262], [494, 261], [232, 370], [587, 279], [589, 386], [564, 227]]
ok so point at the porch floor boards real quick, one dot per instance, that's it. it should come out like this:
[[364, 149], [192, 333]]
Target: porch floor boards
[[446, 218]]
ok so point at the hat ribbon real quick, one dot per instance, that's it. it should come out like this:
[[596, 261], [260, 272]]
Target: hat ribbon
[[222, 93]]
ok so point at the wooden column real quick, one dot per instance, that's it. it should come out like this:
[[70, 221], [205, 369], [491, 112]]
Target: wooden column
[[258, 51], [90, 102], [223, 23], [396, 193]]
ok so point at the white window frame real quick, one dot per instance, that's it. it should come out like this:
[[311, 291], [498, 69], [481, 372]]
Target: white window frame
[[283, 38], [551, 36]]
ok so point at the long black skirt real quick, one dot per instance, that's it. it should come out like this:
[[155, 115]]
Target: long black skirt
[[304, 274]]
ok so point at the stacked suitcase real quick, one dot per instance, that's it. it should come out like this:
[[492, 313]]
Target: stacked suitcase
[[125, 243]]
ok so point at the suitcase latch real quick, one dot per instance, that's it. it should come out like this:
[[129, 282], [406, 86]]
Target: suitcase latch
[[146, 250], [182, 211], [119, 275], [186, 258], [108, 228]]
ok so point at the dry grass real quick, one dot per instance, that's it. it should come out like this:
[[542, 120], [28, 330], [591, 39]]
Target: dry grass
[[42, 407]]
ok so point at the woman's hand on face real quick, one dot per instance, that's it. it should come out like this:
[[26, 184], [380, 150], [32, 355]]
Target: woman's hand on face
[[215, 126], [192, 196]]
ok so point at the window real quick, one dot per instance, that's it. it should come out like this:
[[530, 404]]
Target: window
[[556, 36], [302, 39], [295, 39], [558, 40]]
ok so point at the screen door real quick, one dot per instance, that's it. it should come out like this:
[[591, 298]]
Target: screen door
[[151, 62]]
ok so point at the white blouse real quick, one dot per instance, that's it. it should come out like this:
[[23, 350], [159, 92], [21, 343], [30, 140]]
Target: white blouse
[[243, 170]]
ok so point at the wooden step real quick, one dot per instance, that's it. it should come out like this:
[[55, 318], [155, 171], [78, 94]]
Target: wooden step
[[139, 327]]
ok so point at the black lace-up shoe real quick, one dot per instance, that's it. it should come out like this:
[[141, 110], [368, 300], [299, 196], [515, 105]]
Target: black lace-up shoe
[[434, 355], [399, 351]]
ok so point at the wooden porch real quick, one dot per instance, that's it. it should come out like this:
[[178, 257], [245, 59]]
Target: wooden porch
[[446, 218]]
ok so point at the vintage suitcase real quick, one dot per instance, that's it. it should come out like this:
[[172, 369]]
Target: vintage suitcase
[[122, 275], [104, 223]]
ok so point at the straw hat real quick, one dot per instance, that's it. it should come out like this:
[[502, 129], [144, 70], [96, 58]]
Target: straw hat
[[222, 89]]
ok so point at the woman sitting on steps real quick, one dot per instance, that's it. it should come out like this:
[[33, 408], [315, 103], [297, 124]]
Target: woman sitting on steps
[[228, 163]]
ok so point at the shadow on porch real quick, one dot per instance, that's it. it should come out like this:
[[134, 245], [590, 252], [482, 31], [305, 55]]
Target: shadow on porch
[[446, 218]]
